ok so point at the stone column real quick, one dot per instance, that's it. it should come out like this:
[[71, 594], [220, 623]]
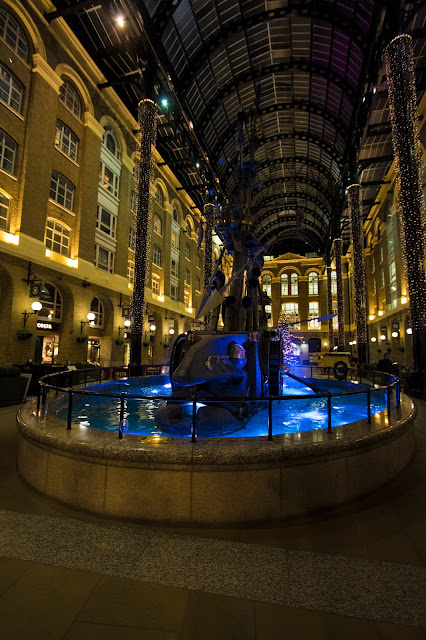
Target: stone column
[[358, 260], [208, 250], [403, 106], [340, 300], [148, 132], [330, 309]]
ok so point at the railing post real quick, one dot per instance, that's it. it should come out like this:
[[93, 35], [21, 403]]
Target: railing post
[[69, 420], [194, 420], [38, 399], [369, 405], [44, 402], [120, 428], [329, 396], [269, 418]]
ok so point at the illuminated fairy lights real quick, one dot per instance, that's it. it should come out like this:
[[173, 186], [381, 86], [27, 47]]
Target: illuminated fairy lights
[[208, 212], [330, 308], [142, 223], [411, 209], [340, 305], [359, 282]]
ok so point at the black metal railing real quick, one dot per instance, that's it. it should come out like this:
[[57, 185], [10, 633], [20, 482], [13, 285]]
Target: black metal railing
[[81, 378]]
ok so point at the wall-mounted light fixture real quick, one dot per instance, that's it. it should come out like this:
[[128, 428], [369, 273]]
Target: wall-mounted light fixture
[[36, 306], [127, 324], [90, 320]]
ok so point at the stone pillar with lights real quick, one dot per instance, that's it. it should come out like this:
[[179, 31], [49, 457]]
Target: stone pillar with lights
[[142, 223], [330, 309], [358, 260], [208, 212], [406, 145], [340, 301]]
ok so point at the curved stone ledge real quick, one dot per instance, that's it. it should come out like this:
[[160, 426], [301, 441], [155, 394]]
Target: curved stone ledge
[[220, 481]]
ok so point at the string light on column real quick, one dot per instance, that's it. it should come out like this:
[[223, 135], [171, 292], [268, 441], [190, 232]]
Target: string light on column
[[208, 212], [338, 246], [411, 209], [360, 286], [330, 308], [143, 221]]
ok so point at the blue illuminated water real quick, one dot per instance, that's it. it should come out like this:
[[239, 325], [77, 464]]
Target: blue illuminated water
[[288, 416]]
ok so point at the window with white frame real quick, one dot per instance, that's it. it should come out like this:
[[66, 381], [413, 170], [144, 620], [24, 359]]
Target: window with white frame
[[8, 149], [104, 258], [70, 99], [291, 311], [66, 140], [334, 311], [284, 284], [51, 300], [174, 268], [175, 240], [333, 282], [187, 276], [4, 211], [155, 284], [158, 225], [187, 251], [186, 298], [97, 308], [174, 292], [294, 284], [62, 190], [314, 313], [198, 261], [313, 283], [110, 142], [57, 237], [108, 179], [106, 221], [12, 34], [132, 239], [131, 272], [267, 284], [197, 284], [156, 255], [11, 90], [159, 197]]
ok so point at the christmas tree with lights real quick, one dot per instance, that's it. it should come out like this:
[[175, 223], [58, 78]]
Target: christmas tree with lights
[[285, 337]]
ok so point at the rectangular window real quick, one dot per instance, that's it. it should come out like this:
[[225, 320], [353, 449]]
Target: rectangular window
[[314, 313], [108, 179], [132, 239], [284, 284], [291, 311], [156, 255], [382, 278], [156, 285], [333, 282], [104, 259], [62, 190], [197, 284], [11, 90], [66, 141], [187, 277], [174, 292], [294, 284], [186, 298], [4, 212], [57, 237], [106, 221], [131, 271], [187, 252], [335, 319], [175, 240], [313, 284], [8, 148], [381, 254], [174, 268], [393, 288]]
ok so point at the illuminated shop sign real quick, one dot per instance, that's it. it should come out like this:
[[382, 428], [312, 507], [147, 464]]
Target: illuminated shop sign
[[47, 326]]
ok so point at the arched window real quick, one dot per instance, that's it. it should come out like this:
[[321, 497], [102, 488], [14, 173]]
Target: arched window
[[4, 211], [11, 90], [284, 284], [156, 255], [294, 284], [51, 301], [110, 142], [57, 237], [97, 308], [313, 283], [267, 284], [8, 149], [12, 34], [159, 197], [158, 224], [175, 215], [70, 99]]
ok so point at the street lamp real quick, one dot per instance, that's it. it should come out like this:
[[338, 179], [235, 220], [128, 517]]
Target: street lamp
[[90, 318], [36, 306]]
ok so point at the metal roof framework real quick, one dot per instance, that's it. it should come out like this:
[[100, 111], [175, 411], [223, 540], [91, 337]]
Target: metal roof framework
[[307, 74]]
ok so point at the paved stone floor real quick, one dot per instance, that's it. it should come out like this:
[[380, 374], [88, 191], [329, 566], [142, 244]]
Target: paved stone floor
[[357, 572]]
